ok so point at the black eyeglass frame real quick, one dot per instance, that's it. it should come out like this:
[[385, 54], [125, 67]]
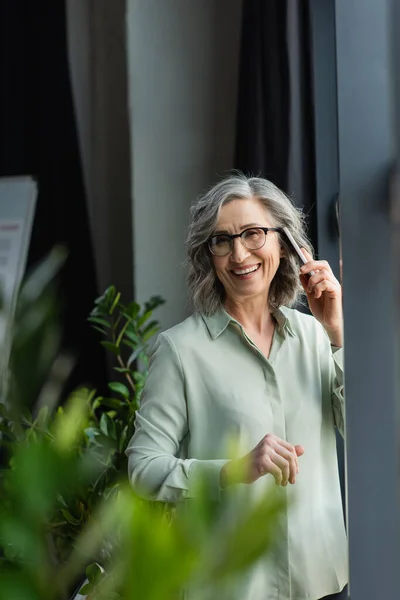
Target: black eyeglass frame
[[231, 237]]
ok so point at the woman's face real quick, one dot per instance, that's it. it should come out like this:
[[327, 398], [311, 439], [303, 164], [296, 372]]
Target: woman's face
[[234, 217]]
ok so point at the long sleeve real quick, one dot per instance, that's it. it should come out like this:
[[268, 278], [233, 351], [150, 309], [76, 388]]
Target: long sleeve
[[338, 388], [332, 365], [161, 425]]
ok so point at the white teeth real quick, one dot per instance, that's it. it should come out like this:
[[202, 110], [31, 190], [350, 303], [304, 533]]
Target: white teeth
[[245, 271]]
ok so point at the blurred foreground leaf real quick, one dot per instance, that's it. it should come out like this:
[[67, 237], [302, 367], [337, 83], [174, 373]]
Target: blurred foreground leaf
[[66, 508]]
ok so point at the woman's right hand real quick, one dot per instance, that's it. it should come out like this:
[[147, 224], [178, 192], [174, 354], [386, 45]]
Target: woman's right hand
[[271, 455]]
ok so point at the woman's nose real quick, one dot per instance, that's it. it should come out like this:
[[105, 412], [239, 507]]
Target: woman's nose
[[239, 251]]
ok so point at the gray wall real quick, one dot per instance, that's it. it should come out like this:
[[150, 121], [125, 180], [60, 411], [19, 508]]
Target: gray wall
[[183, 72]]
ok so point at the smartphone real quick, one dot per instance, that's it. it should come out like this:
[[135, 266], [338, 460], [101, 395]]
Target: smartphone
[[296, 247]]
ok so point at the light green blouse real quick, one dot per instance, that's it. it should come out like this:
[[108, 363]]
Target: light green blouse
[[207, 382]]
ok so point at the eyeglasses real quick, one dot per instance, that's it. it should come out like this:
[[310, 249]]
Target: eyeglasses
[[252, 239]]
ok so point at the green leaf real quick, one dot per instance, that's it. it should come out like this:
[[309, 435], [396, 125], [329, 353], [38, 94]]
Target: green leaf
[[69, 425], [61, 500], [132, 335], [153, 324], [96, 403], [107, 426], [246, 543], [115, 303], [111, 347], [108, 295], [123, 439], [43, 417], [112, 403], [138, 377], [68, 517], [91, 395], [92, 432], [145, 317], [93, 573], [97, 310], [153, 303], [131, 345], [119, 388], [150, 333], [104, 303], [5, 429], [100, 330], [99, 321], [126, 315], [145, 360], [86, 589], [133, 310], [122, 370], [32, 436], [135, 355], [104, 441]]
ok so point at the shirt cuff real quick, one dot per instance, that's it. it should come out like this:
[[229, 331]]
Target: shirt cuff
[[338, 356], [206, 474]]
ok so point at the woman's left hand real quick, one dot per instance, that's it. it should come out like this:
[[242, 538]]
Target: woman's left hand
[[324, 295]]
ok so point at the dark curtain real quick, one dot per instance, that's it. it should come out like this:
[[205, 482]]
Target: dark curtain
[[38, 136], [275, 128]]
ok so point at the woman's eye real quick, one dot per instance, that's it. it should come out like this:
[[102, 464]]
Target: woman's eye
[[221, 240], [252, 233]]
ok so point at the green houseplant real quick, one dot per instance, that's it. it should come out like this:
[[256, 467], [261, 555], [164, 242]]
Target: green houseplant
[[65, 504], [38, 372], [126, 331]]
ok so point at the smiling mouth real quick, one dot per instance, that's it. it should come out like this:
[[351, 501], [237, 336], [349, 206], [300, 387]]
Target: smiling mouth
[[246, 271]]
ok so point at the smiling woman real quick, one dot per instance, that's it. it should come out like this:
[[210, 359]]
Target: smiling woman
[[267, 207], [248, 268], [248, 363]]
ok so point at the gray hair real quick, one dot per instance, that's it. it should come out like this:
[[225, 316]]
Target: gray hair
[[206, 291]]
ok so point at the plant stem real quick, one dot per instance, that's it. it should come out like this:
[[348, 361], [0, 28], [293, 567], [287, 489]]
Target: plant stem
[[127, 375], [120, 361], [122, 332], [42, 431]]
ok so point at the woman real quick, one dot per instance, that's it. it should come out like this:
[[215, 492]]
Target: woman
[[245, 362]]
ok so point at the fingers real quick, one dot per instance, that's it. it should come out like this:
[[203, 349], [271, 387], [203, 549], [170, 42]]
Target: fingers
[[307, 253], [286, 450], [321, 279], [313, 265], [282, 464], [278, 457], [325, 285], [272, 468], [299, 450], [322, 275], [287, 461]]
